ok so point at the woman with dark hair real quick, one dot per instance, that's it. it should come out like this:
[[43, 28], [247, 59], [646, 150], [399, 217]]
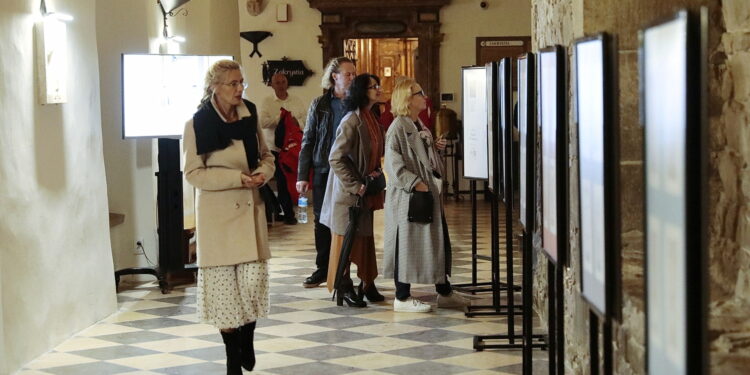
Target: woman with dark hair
[[355, 156]]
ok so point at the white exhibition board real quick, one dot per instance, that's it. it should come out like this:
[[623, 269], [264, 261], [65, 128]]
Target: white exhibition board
[[548, 117], [665, 101], [523, 113], [474, 109], [161, 92], [589, 60]]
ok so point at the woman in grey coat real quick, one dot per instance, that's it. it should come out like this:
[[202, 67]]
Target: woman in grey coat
[[414, 252], [354, 156]]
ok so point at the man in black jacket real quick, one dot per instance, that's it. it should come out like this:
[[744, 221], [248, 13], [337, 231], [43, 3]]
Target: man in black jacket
[[323, 118]]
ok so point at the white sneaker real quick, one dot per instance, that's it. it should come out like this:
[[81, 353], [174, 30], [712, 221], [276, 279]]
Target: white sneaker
[[411, 305], [452, 300]]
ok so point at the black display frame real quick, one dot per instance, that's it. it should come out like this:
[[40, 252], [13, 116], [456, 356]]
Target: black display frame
[[494, 148], [466, 149], [504, 92], [694, 235], [559, 93], [609, 144], [527, 140]]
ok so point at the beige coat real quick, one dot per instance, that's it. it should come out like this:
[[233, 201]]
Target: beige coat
[[349, 157], [230, 219]]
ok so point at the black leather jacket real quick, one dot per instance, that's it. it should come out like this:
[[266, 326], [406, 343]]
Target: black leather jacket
[[318, 138]]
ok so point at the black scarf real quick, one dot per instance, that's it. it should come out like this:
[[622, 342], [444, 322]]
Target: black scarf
[[212, 133]]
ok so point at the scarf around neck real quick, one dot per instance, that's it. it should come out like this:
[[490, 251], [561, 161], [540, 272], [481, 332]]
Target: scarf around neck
[[212, 133]]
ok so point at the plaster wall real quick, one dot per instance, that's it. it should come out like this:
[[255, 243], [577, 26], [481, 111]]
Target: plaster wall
[[56, 271], [209, 27]]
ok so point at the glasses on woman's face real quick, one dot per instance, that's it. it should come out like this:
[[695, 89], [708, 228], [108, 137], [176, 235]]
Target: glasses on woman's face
[[420, 93], [236, 84], [374, 87]]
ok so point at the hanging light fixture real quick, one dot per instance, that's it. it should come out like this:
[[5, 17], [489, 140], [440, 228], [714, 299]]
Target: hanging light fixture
[[173, 6]]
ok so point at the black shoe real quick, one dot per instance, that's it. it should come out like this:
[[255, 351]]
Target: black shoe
[[247, 349], [371, 293], [318, 277], [291, 220], [351, 299], [232, 346]]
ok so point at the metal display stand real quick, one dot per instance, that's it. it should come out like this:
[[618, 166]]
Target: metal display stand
[[170, 219]]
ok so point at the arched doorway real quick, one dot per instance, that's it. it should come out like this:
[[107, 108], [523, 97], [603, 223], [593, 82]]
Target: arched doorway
[[371, 19]]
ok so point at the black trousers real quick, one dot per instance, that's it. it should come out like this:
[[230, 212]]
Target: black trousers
[[403, 290], [285, 199], [322, 232]]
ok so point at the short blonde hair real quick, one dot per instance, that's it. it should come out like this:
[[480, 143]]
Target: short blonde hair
[[401, 97], [214, 75], [333, 67]]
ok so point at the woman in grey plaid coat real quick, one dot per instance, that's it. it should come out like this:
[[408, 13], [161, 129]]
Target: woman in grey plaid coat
[[414, 252]]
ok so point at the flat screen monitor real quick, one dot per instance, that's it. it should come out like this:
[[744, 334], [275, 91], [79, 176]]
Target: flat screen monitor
[[161, 92]]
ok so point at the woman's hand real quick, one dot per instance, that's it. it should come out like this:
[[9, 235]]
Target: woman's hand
[[421, 187], [253, 181], [440, 143], [375, 173], [361, 191]]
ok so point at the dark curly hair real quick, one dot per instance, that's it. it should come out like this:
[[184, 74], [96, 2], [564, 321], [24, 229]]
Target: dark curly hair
[[356, 96]]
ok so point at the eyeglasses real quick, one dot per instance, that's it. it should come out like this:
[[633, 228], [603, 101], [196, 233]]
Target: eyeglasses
[[420, 93], [235, 84], [374, 87]]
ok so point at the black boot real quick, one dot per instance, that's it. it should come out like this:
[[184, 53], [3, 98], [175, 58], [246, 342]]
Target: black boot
[[247, 351], [371, 292], [232, 345], [346, 293]]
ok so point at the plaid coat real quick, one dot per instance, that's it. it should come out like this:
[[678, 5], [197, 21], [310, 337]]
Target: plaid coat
[[421, 247]]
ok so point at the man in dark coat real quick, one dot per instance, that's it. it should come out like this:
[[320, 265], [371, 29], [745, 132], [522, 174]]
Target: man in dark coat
[[323, 118]]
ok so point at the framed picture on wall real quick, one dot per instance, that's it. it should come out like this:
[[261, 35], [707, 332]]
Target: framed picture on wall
[[597, 177], [494, 167], [527, 145], [474, 109], [504, 138], [673, 77], [554, 133]]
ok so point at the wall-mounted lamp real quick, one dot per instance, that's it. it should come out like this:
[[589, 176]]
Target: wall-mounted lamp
[[52, 56], [170, 8], [59, 16]]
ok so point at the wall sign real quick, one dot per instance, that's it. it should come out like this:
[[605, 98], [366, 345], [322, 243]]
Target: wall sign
[[294, 70]]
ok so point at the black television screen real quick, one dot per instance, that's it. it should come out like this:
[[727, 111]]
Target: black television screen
[[161, 92]]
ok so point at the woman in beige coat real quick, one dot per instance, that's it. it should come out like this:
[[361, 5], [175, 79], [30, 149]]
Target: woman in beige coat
[[227, 161]]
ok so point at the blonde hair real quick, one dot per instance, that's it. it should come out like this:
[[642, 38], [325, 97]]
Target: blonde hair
[[214, 75], [333, 67], [401, 97]]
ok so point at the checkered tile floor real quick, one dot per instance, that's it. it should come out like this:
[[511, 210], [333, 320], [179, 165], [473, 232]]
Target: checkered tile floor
[[306, 332]]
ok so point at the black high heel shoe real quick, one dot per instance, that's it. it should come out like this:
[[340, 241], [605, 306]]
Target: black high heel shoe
[[351, 299], [371, 293]]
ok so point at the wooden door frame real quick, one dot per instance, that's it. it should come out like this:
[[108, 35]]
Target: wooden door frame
[[345, 19]]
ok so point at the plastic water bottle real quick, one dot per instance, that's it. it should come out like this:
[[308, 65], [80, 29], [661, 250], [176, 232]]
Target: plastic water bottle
[[302, 209]]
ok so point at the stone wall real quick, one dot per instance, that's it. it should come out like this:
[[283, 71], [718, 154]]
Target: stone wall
[[729, 197], [562, 21]]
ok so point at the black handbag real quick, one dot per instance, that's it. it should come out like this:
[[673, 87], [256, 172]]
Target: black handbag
[[420, 207], [374, 184]]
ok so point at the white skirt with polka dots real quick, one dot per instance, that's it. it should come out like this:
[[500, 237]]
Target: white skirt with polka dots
[[232, 296]]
